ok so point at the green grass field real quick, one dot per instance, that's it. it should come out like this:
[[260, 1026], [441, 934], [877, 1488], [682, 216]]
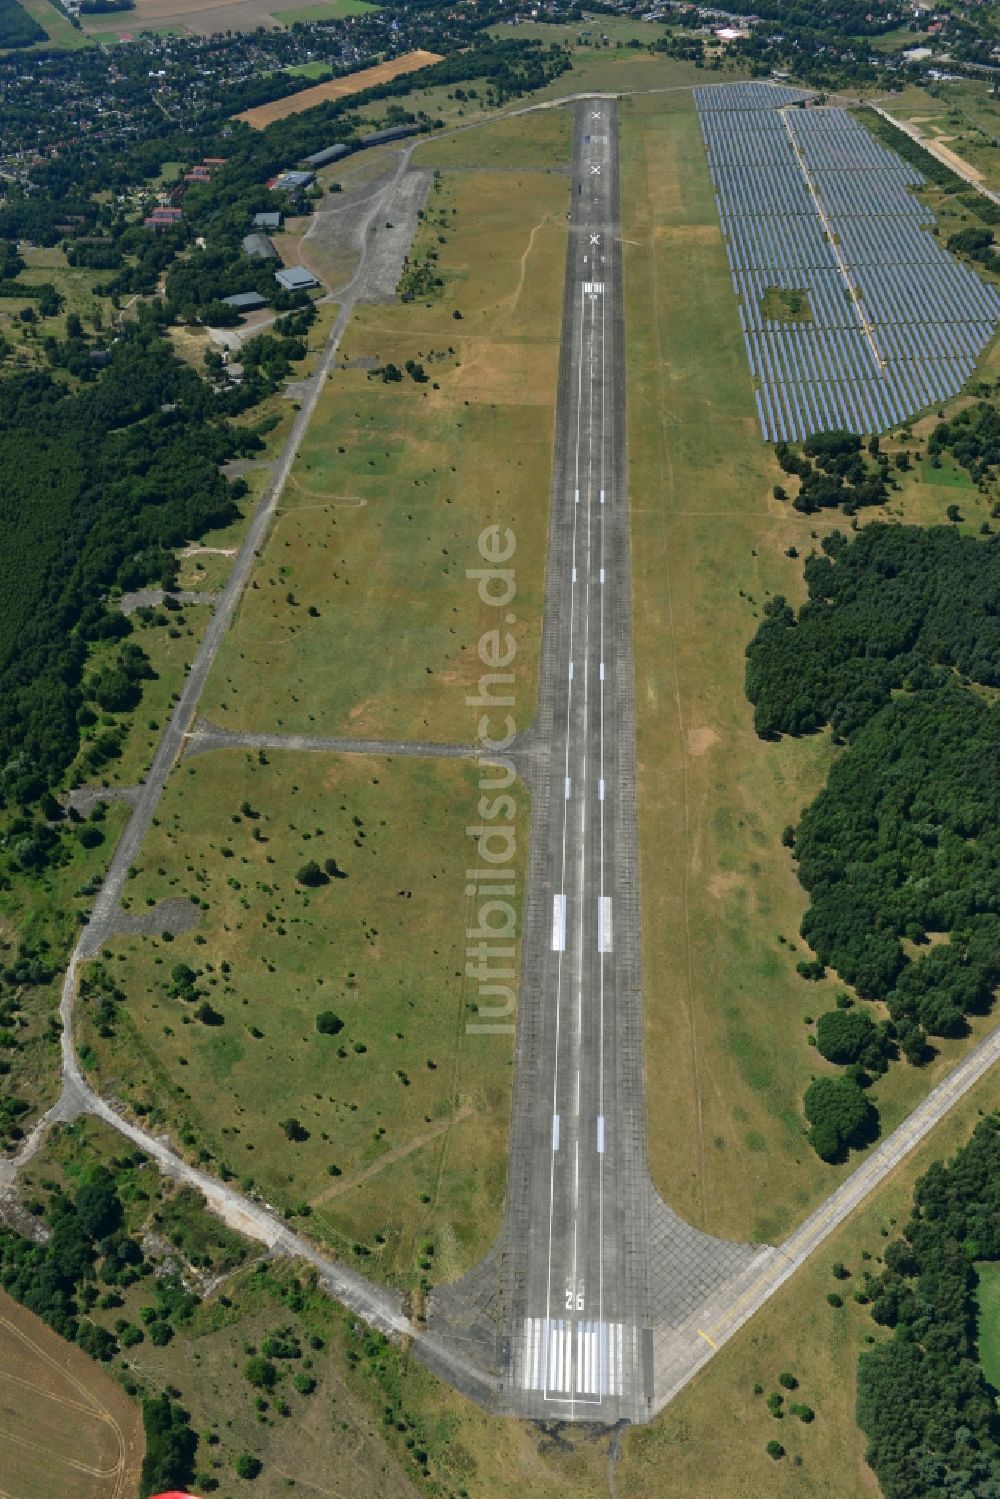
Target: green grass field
[[988, 1296], [316, 71], [532, 141], [408, 1109], [394, 484], [726, 1136], [332, 10], [74, 286], [132, 28]]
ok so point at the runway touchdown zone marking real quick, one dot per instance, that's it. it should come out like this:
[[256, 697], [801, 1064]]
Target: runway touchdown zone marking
[[604, 923], [559, 923]]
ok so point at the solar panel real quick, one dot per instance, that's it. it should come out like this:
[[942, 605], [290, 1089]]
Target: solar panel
[[885, 321]]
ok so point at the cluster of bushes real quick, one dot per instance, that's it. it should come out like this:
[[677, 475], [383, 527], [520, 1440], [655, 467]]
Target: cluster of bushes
[[900, 851], [923, 1401], [972, 437], [834, 472]]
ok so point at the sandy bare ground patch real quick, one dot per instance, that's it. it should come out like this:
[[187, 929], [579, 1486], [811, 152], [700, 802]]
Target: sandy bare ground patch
[[334, 88]]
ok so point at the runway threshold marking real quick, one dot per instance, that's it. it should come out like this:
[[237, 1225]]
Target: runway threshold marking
[[578, 1356]]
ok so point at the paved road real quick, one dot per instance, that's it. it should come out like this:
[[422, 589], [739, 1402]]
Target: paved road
[[205, 736]]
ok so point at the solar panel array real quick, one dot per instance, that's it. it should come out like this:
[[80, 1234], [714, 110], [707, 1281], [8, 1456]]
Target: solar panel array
[[810, 202]]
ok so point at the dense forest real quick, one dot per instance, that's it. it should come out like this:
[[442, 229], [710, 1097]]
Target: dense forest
[[923, 1400], [101, 483], [17, 29], [900, 852]]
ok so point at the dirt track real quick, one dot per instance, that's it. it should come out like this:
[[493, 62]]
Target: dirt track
[[337, 88]]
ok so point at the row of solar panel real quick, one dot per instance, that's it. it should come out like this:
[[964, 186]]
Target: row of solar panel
[[747, 96], [791, 411], [926, 318], [804, 242], [945, 293]]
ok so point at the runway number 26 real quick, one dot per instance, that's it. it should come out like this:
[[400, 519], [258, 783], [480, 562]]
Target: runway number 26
[[574, 1299]]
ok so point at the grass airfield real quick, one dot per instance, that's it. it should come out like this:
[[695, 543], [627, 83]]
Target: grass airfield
[[403, 1115], [723, 997], [395, 482], [721, 901]]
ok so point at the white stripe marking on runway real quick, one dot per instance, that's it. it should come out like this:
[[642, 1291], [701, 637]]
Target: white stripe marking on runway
[[600, 1134], [571, 671], [559, 923], [602, 574], [600, 789], [569, 787], [604, 923], [555, 1131], [602, 671]]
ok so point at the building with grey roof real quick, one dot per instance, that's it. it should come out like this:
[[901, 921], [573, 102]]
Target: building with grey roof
[[259, 247], [295, 278], [245, 301], [269, 221], [329, 153]]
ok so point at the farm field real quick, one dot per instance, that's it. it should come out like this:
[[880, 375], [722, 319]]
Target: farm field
[[726, 1139], [403, 1116], [394, 484], [179, 18], [65, 1426], [332, 10], [336, 88]]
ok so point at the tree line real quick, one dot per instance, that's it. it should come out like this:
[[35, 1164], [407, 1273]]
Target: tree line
[[900, 851], [923, 1400]]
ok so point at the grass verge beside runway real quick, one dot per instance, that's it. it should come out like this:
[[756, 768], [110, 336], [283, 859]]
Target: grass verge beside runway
[[360, 618], [723, 1000], [712, 1439], [403, 1114]]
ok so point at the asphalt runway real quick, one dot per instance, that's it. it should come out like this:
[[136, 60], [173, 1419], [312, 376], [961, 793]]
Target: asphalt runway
[[587, 1300], [577, 1337]]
